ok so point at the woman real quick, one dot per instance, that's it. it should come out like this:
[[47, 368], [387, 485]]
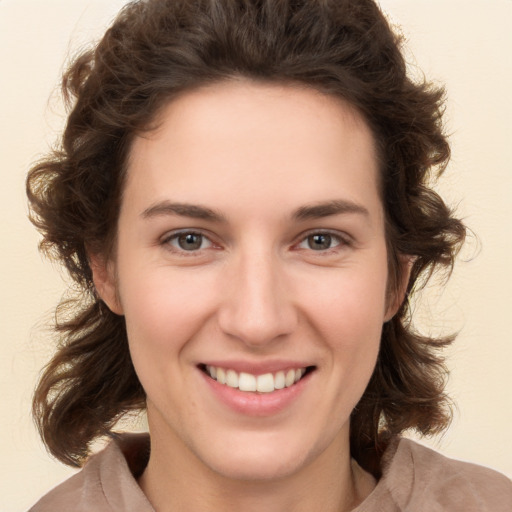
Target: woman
[[242, 195]]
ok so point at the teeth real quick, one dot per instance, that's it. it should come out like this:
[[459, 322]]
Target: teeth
[[290, 378], [279, 380], [265, 383], [246, 382], [221, 376], [232, 379]]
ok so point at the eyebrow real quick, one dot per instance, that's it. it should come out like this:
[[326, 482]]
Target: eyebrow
[[326, 209], [307, 212], [194, 211]]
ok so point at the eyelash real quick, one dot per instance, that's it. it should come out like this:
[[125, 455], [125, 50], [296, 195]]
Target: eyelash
[[339, 239], [175, 236]]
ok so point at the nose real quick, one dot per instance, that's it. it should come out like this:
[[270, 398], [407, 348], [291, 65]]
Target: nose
[[257, 306]]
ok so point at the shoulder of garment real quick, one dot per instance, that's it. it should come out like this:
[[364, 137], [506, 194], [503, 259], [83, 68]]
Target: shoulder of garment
[[416, 479], [106, 483]]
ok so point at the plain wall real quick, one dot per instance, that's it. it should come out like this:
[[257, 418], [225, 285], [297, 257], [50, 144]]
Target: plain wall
[[464, 44]]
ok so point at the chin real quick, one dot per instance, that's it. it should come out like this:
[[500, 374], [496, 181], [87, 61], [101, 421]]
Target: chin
[[259, 459], [254, 467]]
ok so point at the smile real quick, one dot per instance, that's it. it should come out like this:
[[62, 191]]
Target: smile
[[265, 383]]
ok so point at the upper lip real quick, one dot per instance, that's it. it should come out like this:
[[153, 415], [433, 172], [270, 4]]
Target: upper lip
[[257, 368]]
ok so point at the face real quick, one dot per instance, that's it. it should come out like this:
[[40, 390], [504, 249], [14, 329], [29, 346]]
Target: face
[[252, 272]]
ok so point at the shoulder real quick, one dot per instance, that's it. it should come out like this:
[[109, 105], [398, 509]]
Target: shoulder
[[419, 478], [106, 482]]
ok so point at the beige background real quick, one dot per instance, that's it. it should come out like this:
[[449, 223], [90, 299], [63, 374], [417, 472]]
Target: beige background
[[465, 44]]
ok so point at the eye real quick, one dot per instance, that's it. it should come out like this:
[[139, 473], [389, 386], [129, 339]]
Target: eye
[[321, 241], [188, 241]]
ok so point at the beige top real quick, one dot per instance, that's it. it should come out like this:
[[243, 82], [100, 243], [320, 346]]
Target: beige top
[[415, 479]]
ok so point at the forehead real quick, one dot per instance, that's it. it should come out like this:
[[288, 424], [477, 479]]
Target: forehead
[[284, 143], [214, 107]]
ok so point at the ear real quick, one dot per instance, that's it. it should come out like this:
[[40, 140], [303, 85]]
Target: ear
[[397, 292], [104, 278]]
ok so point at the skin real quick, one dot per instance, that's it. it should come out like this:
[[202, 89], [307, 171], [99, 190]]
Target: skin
[[258, 288]]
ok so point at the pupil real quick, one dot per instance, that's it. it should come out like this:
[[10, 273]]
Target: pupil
[[190, 241], [319, 242]]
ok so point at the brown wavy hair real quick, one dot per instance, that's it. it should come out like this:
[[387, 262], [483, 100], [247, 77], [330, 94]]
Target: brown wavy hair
[[155, 50]]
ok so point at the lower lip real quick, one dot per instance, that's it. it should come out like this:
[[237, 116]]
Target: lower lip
[[253, 403]]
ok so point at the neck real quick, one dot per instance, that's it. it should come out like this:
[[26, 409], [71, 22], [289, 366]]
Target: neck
[[175, 479]]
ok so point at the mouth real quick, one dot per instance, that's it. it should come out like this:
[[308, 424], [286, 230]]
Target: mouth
[[251, 383]]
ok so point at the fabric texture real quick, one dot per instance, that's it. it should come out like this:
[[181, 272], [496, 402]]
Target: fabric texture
[[414, 479]]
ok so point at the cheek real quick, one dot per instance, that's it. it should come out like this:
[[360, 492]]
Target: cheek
[[354, 335], [348, 311], [349, 299], [163, 315], [163, 311]]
